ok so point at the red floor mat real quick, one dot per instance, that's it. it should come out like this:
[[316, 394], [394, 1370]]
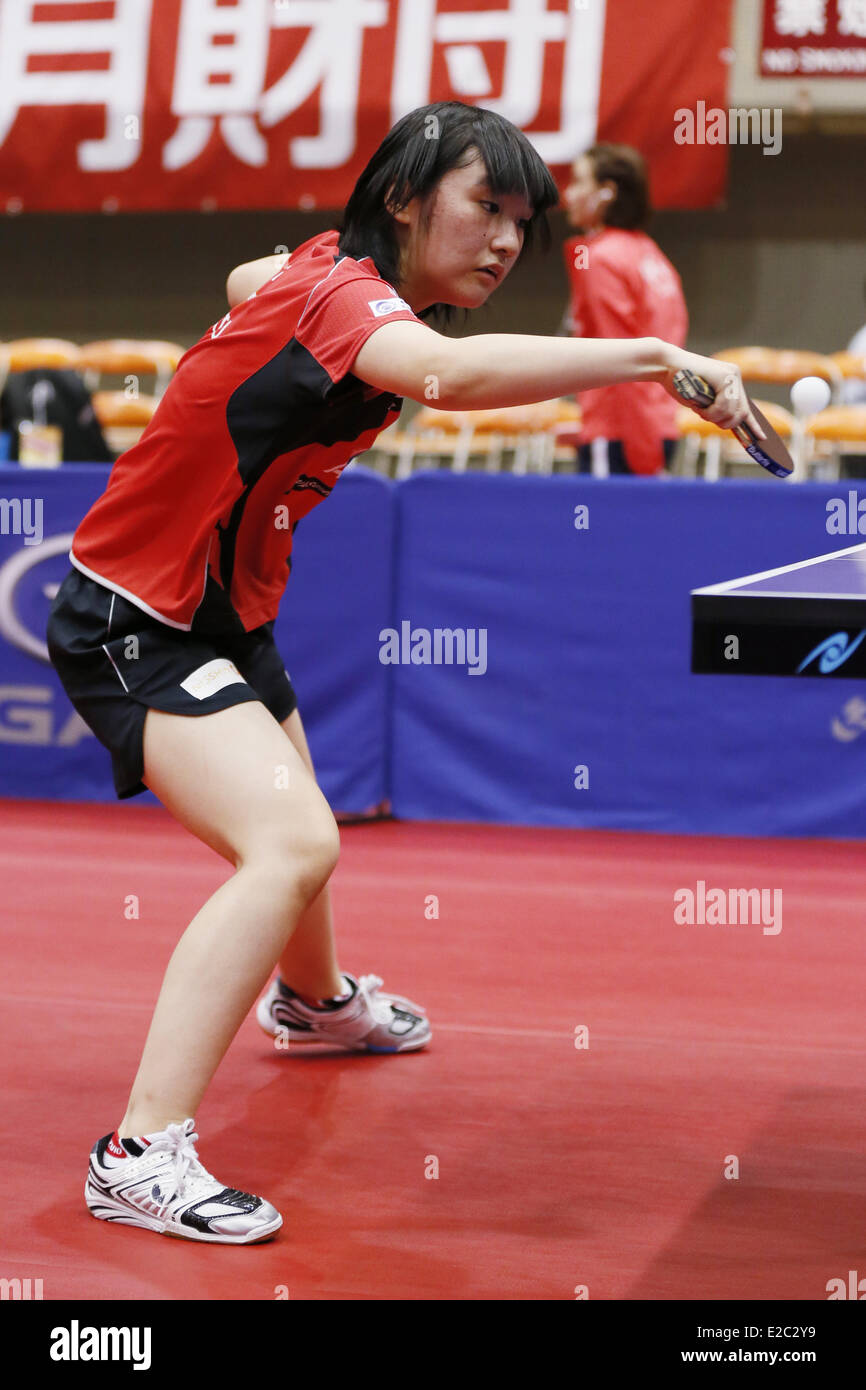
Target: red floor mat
[[559, 1166]]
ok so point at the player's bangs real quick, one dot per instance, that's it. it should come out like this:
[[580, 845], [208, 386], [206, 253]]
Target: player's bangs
[[514, 167]]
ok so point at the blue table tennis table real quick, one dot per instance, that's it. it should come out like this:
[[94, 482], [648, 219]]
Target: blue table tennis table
[[807, 619]]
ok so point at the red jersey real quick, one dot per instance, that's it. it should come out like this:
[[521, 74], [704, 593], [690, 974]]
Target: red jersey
[[257, 424], [623, 286]]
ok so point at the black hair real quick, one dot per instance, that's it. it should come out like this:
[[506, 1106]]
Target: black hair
[[422, 146], [626, 168]]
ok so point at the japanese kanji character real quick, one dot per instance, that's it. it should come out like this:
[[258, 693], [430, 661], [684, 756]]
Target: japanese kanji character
[[119, 88], [852, 18], [329, 60], [525, 27], [800, 17]]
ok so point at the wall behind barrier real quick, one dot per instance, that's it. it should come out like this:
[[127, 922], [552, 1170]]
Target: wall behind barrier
[[497, 648], [587, 713]]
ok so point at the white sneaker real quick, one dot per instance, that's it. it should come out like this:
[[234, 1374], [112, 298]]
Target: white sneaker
[[157, 1181], [370, 1021]]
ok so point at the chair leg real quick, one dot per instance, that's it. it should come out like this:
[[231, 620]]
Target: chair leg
[[713, 459], [406, 455], [547, 448], [798, 451], [462, 448], [600, 464], [691, 454], [493, 462], [540, 452]]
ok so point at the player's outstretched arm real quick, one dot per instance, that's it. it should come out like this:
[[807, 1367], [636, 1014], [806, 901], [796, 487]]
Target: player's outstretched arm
[[245, 279], [490, 370]]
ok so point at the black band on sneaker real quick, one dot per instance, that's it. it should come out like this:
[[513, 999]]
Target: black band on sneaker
[[230, 1197], [109, 1143], [100, 1146], [335, 1002]]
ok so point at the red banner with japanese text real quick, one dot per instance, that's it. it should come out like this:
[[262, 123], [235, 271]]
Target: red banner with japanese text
[[126, 105], [813, 38]]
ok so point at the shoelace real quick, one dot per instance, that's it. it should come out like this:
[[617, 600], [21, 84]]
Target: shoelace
[[188, 1169], [368, 986]]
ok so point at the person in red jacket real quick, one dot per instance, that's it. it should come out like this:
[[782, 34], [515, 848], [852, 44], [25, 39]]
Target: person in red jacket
[[622, 286], [162, 630]]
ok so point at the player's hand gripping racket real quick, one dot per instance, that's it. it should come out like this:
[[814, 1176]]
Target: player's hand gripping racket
[[770, 453]]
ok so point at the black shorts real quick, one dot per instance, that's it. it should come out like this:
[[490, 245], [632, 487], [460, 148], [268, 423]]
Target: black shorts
[[115, 662]]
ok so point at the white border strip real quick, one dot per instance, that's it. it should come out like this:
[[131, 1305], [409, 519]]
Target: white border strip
[[733, 584]]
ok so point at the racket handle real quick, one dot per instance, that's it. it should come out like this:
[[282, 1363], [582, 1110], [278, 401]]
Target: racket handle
[[694, 390]]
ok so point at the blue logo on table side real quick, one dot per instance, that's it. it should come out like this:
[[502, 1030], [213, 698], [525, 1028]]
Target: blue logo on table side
[[833, 652]]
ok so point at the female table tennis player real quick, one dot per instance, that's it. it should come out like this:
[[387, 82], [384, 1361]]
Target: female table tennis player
[[162, 631], [622, 285]]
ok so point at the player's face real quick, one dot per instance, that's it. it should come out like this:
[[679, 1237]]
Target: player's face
[[469, 245], [581, 197]]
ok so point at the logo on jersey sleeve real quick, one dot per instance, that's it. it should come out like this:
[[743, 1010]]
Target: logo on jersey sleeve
[[381, 307]]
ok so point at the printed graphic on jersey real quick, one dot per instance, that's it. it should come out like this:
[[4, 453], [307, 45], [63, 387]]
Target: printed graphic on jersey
[[304, 483]]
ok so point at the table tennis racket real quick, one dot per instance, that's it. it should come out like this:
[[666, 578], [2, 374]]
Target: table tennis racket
[[770, 453]]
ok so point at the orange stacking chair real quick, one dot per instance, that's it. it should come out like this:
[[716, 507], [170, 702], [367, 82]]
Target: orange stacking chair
[[720, 448], [123, 414], [527, 433], [130, 357], [22, 354], [836, 431], [782, 366], [122, 418]]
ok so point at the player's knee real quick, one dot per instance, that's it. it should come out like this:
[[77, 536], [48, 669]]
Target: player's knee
[[304, 854], [317, 854]]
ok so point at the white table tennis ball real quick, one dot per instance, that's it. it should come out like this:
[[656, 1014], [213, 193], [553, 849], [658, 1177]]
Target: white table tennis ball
[[809, 395]]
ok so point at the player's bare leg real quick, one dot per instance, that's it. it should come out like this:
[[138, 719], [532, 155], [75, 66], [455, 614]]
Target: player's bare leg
[[309, 962], [217, 775], [369, 1018]]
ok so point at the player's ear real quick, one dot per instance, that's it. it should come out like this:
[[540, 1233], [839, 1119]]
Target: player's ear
[[398, 214]]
